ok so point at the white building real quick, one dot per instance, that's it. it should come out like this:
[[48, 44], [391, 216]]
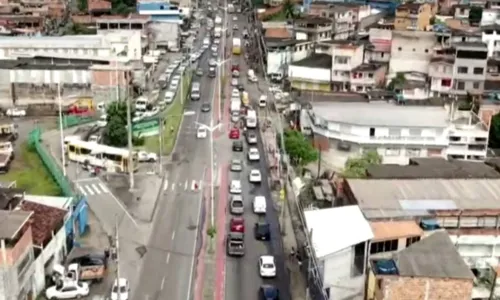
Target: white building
[[396, 132], [411, 51], [490, 35], [282, 53], [126, 44], [340, 239]]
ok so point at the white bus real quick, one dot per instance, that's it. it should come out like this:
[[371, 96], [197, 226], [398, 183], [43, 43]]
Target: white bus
[[251, 118], [113, 160]]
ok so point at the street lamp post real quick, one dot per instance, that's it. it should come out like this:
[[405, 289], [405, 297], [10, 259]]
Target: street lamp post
[[219, 106], [211, 129]]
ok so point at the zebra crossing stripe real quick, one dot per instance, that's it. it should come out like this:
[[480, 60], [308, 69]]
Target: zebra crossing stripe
[[82, 190], [96, 189], [104, 188], [91, 192]]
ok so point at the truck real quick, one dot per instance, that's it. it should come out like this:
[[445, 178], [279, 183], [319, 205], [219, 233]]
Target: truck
[[235, 110], [82, 106], [236, 46], [235, 244]]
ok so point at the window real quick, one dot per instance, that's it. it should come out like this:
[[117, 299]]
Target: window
[[370, 75], [399, 49], [341, 60], [394, 132], [478, 71], [392, 152], [372, 131], [413, 152], [412, 240], [446, 82], [382, 54], [426, 50], [384, 246], [462, 70], [460, 85], [475, 85]]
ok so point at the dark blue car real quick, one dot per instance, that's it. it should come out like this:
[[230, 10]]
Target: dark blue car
[[269, 292]]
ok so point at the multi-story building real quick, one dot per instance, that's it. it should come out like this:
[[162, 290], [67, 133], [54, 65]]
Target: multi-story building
[[441, 76], [282, 52], [398, 133], [379, 49], [346, 56], [469, 70], [312, 73], [492, 82], [490, 34], [313, 28], [413, 16], [411, 51], [162, 11], [367, 77], [17, 259]]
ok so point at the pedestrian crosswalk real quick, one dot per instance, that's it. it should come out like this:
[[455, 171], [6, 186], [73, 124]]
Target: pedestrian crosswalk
[[92, 188], [188, 185]]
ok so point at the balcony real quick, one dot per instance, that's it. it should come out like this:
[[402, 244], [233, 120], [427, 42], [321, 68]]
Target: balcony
[[441, 141]]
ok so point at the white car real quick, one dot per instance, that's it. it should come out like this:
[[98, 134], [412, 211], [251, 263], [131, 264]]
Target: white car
[[253, 154], [201, 133], [235, 93], [214, 48], [217, 41], [174, 85], [16, 112], [67, 290], [153, 112], [235, 18], [169, 97], [143, 156], [212, 62], [267, 266], [235, 187], [234, 82], [120, 289], [254, 176]]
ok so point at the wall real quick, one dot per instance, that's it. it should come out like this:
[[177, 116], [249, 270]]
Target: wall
[[411, 51], [415, 288], [337, 275], [125, 41], [52, 254], [5, 88], [33, 76], [165, 33], [13, 254], [309, 74], [9, 53]]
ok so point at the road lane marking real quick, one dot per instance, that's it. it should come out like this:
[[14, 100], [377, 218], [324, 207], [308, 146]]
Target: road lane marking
[[103, 187], [168, 257], [193, 185], [91, 192], [173, 235], [96, 189], [162, 283], [82, 190], [186, 185], [173, 186], [165, 185]]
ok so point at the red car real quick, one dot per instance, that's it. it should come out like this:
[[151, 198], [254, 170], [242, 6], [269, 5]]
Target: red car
[[237, 224], [234, 134]]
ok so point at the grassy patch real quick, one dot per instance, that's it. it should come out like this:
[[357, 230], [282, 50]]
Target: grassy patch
[[280, 16], [30, 174], [173, 117]]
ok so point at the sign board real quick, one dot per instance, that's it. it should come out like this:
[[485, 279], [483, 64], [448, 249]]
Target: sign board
[[146, 127]]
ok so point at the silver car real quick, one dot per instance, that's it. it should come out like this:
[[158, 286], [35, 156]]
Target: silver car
[[236, 205], [236, 165]]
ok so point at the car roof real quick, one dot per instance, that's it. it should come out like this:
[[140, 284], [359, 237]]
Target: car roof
[[237, 197], [255, 171], [237, 142], [260, 198], [253, 149], [235, 181], [122, 281], [267, 259], [238, 161]]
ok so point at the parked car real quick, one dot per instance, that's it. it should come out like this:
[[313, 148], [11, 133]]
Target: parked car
[[236, 205], [255, 176], [251, 137], [120, 290], [236, 165], [68, 289], [237, 224], [253, 154], [234, 134], [238, 146], [267, 266]]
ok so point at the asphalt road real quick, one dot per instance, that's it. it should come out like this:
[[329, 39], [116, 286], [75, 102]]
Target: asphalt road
[[167, 271], [242, 275]]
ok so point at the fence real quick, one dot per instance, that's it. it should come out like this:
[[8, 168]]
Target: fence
[[55, 171]]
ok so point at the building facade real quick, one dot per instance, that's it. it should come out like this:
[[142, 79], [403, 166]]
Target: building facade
[[413, 16], [411, 51]]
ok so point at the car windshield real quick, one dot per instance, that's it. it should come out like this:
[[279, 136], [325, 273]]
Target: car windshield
[[268, 266], [123, 289], [237, 203]]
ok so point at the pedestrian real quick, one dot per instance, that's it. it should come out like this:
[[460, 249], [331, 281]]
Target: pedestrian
[[171, 129]]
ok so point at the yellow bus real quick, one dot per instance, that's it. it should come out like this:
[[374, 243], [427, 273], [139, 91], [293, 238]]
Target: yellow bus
[[113, 160]]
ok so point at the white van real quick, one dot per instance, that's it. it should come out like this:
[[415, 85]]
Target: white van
[[259, 205], [263, 101], [195, 91], [169, 97]]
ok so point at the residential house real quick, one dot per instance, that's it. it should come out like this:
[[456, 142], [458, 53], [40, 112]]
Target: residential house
[[367, 77], [17, 255], [428, 269], [492, 82], [393, 236], [460, 11], [411, 51], [311, 73], [414, 88], [346, 56], [379, 48], [312, 28], [398, 133], [340, 254], [441, 76], [490, 35], [281, 52], [469, 70], [468, 210], [414, 16], [490, 17]]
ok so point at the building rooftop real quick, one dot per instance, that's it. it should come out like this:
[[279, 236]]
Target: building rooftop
[[66, 41], [10, 197], [281, 33], [432, 257], [11, 221], [328, 228], [470, 45], [381, 114], [384, 198], [315, 60], [371, 67], [44, 221], [436, 168], [390, 230], [313, 20]]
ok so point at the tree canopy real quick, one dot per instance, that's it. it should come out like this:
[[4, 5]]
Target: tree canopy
[[299, 148], [115, 133], [356, 167], [494, 138]]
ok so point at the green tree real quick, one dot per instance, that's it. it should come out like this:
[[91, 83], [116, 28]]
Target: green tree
[[494, 138], [397, 81], [115, 133], [475, 15], [82, 5], [289, 9], [300, 150], [356, 167]]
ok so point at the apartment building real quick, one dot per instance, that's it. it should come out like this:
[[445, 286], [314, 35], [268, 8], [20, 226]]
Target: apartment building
[[398, 133], [411, 51], [281, 52], [469, 70], [490, 35], [312, 73], [379, 48], [441, 76], [313, 28], [492, 82], [367, 77], [413, 16]]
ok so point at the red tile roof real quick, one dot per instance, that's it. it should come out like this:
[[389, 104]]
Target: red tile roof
[[44, 221], [98, 5], [85, 19]]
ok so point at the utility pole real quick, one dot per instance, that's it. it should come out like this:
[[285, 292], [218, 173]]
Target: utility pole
[[130, 150], [117, 256], [61, 129], [160, 140]]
